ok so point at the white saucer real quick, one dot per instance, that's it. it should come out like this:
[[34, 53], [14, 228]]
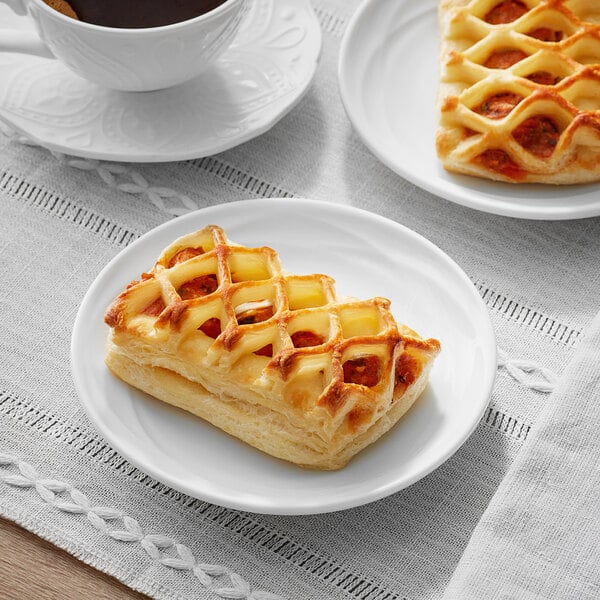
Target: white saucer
[[367, 255], [388, 74], [258, 80]]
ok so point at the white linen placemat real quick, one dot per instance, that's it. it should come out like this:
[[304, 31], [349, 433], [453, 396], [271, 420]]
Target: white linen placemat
[[64, 218], [540, 535]]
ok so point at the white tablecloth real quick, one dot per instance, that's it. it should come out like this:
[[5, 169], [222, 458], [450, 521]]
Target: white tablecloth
[[513, 514]]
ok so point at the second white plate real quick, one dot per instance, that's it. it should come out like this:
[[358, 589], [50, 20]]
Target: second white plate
[[368, 255], [388, 73]]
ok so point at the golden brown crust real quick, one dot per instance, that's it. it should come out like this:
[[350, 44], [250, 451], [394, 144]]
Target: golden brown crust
[[543, 53], [273, 358]]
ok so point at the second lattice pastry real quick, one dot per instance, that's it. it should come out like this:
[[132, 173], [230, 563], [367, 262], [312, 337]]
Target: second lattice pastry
[[519, 93]]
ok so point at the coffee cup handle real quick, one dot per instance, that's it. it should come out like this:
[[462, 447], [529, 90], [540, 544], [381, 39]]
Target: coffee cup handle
[[26, 42]]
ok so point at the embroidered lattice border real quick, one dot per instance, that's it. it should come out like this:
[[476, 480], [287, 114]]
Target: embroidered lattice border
[[221, 581], [118, 176], [528, 373], [253, 529]]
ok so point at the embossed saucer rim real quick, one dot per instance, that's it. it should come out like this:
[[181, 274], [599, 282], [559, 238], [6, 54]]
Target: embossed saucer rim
[[256, 121]]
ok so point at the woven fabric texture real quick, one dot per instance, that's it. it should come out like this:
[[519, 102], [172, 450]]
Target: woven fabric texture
[[540, 536], [459, 533]]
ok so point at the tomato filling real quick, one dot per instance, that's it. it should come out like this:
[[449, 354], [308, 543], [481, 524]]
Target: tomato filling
[[545, 34], [199, 286], [184, 255], [503, 59], [362, 371], [538, 135], [499, 105], [505, 12], [499, 161], [255, 315], [211, 327], [304, 339], [265, 350], [407, 370], [155, 308], [543, 78]]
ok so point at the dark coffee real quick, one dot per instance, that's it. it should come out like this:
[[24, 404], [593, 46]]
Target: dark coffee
[[135, 13]]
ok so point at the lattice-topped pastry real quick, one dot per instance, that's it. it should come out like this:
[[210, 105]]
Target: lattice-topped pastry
[[273, 358], [519, 94]]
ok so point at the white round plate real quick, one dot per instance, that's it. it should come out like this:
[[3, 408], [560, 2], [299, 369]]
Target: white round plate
[[388, 76], [264, 73], [368, 255]]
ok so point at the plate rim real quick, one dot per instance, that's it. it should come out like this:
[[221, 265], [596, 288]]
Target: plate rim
[[450, 189], [270, 507], [146, 156]]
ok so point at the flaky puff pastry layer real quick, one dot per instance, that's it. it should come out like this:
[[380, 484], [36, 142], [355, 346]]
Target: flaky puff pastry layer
[[519, 91], [272, 358]]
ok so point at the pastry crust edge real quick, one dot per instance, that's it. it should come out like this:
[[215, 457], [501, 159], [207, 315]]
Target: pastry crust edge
[[256, 425]]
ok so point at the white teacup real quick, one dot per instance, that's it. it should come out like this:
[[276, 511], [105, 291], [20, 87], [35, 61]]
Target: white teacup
[[129, 59]]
